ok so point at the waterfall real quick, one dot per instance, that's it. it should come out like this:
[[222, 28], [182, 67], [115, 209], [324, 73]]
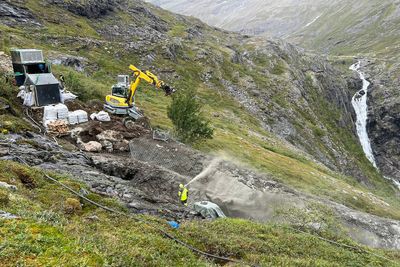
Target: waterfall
[[360, 105]]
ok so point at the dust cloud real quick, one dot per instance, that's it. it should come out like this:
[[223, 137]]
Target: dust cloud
[[238, 195], [210, 170]]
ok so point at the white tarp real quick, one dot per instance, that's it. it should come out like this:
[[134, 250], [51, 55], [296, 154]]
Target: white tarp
[[67, 96], [22, 92], [29, 99], [101, 116], [208, 210]]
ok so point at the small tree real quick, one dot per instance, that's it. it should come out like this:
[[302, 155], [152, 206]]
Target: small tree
[[185, 112]]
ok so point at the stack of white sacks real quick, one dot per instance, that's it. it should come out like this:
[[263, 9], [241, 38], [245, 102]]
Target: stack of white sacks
[[49, 115], [60, 112], [77, 116]]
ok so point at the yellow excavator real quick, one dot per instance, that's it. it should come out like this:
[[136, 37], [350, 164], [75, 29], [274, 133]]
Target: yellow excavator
[[122, 98]]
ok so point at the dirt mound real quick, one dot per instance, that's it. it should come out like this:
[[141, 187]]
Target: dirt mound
[[92, 129]]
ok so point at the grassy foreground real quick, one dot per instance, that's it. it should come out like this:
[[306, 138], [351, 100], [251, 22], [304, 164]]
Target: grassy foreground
[[58, 229]]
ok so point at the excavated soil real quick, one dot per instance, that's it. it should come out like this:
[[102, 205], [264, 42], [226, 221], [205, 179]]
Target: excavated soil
[[92, 128]]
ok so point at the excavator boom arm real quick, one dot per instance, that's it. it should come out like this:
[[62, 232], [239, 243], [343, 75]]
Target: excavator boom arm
[[148, 77]]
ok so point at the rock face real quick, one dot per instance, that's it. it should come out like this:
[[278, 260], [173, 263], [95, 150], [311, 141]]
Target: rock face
[[298, 102], [384, 118], [11, 13], [88, 8]]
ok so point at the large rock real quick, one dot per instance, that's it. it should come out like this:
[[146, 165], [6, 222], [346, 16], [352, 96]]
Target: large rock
[[91, 146]]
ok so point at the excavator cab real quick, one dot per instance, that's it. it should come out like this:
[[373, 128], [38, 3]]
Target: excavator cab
[[119, 91], [121, 88]]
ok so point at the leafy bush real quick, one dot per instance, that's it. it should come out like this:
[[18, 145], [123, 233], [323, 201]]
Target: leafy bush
[[72, 206], [4, 197], [82, 86], [185, 113]]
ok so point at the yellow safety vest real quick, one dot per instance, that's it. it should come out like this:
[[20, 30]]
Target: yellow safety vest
[[183, 193]]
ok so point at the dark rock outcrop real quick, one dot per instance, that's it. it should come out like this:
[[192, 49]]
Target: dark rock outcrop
[[12, 14], [88, 8], [384, 120]]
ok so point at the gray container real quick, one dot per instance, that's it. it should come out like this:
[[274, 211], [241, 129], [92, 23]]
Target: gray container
[[27, 56]]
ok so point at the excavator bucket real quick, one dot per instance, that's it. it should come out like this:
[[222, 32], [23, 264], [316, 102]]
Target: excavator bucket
[[168, 90]]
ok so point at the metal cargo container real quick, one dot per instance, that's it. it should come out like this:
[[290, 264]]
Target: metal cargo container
[[45, 87], [27, 56]]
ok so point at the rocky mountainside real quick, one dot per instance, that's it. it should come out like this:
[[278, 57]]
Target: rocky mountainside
[[331, 26], [341, 29], [279, 84], [299, 103], [275, 108], [256, 17]]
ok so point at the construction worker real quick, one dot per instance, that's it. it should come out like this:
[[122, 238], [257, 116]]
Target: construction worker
[[62, 81], [183, 193]]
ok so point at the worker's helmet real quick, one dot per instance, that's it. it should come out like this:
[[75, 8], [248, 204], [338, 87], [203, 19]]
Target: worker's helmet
[[181, 186]]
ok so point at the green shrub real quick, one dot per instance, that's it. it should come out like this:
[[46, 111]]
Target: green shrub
[[72, 206], [14, 124], [4, 197], [83, 87], [189, 122]]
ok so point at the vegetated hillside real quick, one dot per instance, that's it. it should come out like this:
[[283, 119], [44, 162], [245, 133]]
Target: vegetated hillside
[[255, 92], [342, 29], [56, 228], [331, 26], [273, 107], [369, 30]]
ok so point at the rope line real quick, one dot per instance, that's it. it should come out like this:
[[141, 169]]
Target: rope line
[[200, 252], [209, 255]]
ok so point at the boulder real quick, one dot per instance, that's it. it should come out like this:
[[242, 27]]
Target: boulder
[[91, 146], [110, 135]]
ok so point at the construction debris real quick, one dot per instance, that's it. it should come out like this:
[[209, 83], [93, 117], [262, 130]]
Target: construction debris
[[58, 128]]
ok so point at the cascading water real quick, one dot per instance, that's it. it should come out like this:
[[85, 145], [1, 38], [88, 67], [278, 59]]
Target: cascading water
[[360, 105]]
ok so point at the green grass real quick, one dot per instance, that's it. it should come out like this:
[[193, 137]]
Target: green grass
[[47, 235], [237, 133]]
